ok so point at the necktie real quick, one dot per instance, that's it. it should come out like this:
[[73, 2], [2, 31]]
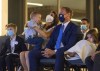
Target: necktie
[[58, 42]]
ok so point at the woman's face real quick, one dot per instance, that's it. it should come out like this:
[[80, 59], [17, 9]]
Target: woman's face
[[90, 38]]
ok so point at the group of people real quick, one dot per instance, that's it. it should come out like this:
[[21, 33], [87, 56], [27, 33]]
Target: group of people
[[62, 42]]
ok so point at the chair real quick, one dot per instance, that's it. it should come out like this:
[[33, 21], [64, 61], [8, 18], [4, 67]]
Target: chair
[[47, 63], [17, 64], [50, 63], [81, 67]]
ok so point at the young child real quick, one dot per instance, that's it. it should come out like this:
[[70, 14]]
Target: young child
[[31, 37], [12, 48], [83, 48]]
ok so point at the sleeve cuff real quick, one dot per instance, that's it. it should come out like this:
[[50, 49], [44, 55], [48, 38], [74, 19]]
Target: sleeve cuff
[[55, 51]]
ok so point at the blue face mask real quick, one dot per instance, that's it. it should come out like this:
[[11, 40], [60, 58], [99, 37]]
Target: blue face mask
[[10, 33], [61, 18], [83, 27]]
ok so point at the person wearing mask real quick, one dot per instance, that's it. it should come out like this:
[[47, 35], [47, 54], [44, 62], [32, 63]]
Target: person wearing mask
[[51, 22], [85, 26], [76, 55], [54, 21], [63, 37], [12, 48]]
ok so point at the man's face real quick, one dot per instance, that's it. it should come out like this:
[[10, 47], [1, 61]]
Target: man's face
[[66, 15], [84, 22]]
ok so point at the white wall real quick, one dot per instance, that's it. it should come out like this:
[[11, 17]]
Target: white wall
[[0, 16], [3, 16]]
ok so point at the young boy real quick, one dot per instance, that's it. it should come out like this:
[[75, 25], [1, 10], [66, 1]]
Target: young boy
[[12, 48]]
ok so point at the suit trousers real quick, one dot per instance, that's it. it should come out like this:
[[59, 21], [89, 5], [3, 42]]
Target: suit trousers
[[35, 56], [2, 63], [11, 61]]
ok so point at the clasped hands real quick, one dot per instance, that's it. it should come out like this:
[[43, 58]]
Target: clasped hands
[[48, 53]]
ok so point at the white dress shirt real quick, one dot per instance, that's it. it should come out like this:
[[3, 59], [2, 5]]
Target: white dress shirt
[[65, 25], [85, 34], [12, 44]]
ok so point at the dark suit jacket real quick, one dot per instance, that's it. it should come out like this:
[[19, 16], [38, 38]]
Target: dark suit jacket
[[2, 41], [18, 47], [71, 36]]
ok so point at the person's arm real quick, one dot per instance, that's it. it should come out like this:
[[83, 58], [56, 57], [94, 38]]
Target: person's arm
[[43, 33], [23, 33]]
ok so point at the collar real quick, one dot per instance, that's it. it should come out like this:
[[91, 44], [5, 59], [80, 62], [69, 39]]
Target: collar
[[13, 39], [85, 31], [65, 24], [34, 22]]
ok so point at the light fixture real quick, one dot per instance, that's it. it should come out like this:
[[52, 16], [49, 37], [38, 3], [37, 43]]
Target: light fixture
[[36, 4], [77, 20]]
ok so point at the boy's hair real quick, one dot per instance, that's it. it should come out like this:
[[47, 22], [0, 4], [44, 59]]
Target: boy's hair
[[33, 14], [12, 25], [93, 32]]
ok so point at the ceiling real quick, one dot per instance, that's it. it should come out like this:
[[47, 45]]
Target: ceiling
[[74, 4]]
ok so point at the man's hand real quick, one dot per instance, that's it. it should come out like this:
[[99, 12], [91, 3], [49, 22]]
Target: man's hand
[[48, 53]]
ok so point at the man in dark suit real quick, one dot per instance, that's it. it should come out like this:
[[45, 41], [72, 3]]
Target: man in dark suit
[[62, 38], [12, 48]]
